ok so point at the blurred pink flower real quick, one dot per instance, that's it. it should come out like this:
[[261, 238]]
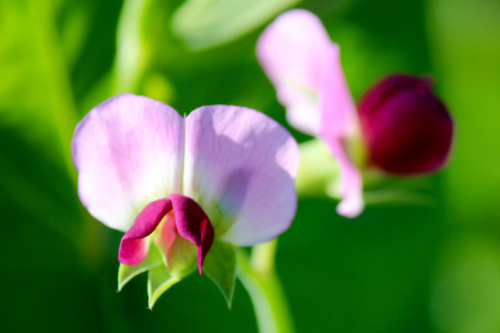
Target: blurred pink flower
[[407, 129], [223, 172], [400, 120]]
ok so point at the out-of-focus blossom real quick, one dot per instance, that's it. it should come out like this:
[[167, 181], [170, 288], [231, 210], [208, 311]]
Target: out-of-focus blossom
[[221, 174], [401, 126], [407, 129]]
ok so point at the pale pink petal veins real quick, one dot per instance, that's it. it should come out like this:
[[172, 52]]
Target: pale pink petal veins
[[339, 122], [240, 167], [128, 151], [293, 51], [134, 246]]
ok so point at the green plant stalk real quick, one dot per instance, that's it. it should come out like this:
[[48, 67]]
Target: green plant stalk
[[259, 277], [62, 105], [131, 55], [63, 109]]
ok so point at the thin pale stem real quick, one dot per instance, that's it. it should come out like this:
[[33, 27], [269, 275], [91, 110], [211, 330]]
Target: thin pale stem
[[259, 277], [130, 50], [60, 95], [62, 105]]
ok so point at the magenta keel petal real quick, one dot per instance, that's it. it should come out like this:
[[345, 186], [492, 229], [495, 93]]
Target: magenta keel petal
[[408, 130], [193, 224], [134, 247]]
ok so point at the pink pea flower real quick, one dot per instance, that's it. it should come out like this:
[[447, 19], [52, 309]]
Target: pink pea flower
[[405, 128], [223, 173]]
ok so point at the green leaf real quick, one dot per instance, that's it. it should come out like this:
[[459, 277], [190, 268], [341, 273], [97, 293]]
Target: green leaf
[[126, 272], [220, 266], [159, 281], [207, 23]]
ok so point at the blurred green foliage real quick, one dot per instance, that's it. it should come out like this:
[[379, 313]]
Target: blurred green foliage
[[208, 23], [399, 268]]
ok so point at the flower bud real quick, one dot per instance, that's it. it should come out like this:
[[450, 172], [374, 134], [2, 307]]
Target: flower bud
[[407, 129]]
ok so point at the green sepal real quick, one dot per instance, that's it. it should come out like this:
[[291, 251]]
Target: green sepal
[[319, 172], [159, 281], [220, 267], [126, 272]]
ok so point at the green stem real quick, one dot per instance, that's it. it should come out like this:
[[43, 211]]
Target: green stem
[[60, 95], [131, 55], [259, 277], [62, 108]]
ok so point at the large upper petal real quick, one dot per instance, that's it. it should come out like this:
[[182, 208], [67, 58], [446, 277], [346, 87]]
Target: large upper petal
[[294, 50], [128, 152], [240, 167], [339, 122]]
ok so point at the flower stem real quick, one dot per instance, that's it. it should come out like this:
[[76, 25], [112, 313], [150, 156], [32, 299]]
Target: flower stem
[[64, 115], [131, 55], [62, 108], [259, 277]]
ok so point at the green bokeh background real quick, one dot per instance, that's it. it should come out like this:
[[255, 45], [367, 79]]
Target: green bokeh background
[[396, 268]]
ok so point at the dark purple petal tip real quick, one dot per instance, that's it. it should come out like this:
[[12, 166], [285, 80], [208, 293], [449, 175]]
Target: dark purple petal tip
[[193, 224], [133, 246], [407, 129]]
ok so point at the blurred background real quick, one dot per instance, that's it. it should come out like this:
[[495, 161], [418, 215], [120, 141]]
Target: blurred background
[[396, 268]]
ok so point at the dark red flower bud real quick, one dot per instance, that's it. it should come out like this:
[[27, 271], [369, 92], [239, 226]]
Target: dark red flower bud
[[407, 129]]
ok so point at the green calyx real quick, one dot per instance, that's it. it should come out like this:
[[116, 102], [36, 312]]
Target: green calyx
[[219, 266]]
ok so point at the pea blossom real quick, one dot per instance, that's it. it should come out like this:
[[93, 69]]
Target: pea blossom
[[402, 127], [180, 185], [406, 128]]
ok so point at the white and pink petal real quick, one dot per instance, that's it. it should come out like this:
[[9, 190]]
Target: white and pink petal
[[128, 152], [294, 50], [339, 124], [240, 167], [304, 66]]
